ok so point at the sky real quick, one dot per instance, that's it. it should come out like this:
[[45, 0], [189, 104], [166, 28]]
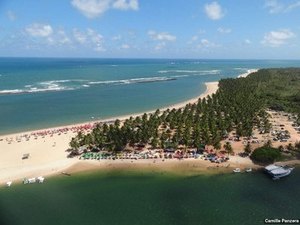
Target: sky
[[223, 29]]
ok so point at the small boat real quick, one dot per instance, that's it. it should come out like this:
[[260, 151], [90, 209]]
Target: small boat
[[277, 172], [249, 170], [237, 170], [40, 179], [29, 180], [65, 173], [8, 184], [25, 156]]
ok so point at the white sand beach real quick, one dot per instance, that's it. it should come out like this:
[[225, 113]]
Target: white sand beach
[[47, 151], [247, 73]]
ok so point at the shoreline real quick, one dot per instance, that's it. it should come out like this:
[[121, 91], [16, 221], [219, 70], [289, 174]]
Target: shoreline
[[211, 87], [47, 151], [243, 75]]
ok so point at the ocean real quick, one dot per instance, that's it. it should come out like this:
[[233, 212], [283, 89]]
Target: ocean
[[148, 198], [37, 93]]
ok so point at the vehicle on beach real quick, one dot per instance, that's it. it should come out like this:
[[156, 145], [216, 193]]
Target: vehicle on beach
[[65, 173], [277, 172]]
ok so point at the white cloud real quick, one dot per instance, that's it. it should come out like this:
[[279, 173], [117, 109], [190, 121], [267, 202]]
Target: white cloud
[[126, 4], [47, 34], [79, 36], [116, 38], [204, 43], [224, 30], [125, 46], [99, 48], [11, 15], [160, 46], [90, 38], [39, 30], [94, 36], [247, 41], [91, 8], [201, 31], [194, 38], [214, 11], [63, 38], [94, 8], [277, 38], [275, 6], [292, 6], [163, 36]]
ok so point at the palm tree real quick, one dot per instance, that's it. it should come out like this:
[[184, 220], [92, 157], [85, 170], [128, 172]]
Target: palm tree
[[268, 144], [297, 145], [247, 148], [154, 142], [217, 145], [290, 147], [74, 144], [228, 148]]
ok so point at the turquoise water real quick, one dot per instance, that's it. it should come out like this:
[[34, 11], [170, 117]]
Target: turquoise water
[[38, 93], [128, 198]]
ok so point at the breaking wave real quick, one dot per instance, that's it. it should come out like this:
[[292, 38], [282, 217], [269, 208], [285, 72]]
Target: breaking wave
[[68, 85], [45, 86], [74, 84], [194, 72], [134, 80]]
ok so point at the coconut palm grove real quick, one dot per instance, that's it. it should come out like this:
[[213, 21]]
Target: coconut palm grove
[[238, 106]]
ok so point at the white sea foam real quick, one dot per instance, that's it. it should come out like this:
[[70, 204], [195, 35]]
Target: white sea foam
[[240, 68], [13, 91], [198, 72], [179, 76], [247, 73], [178, 71], [44, 86], [57, 85], [134, 80], [105, 82], [34, 90]]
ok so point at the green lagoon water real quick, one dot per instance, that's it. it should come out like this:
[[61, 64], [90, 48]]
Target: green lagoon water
[[146, 198]]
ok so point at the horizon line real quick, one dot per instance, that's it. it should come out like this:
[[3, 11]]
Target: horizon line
[[135, 58]]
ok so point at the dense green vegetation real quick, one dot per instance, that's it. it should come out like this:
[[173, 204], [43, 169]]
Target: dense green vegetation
[[265, 154], [238, 105], [279, 88]]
